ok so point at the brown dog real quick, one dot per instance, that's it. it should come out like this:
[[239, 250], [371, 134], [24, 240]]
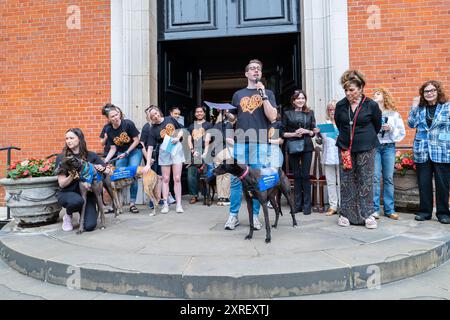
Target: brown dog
[[79, 167], [152, 188]]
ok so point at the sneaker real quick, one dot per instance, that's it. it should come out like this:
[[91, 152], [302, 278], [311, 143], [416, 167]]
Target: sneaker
[[376, 215], [232, 223], [179, 209], [343, 221], [220, 202], [371, 223], [256, 224], [67, 223], [165, 209], [161, 203], [151, 205], [269, 205], [171, 199], [226, 202]]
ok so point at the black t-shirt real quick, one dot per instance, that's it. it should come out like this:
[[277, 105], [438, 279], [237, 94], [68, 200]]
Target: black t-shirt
[[198, 133], [144, 134], [158, 131], [74, 186], [250, 111], [430, 112], [107, 146], [122, 137], [220, 131], [275, 130]]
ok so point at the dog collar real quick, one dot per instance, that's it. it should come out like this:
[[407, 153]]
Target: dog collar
[[244, 175]]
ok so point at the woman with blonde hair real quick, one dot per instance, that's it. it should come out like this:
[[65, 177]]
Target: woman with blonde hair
[[330, 160], [392, 131]]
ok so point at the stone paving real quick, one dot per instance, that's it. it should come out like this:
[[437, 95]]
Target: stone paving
[[191, 256]]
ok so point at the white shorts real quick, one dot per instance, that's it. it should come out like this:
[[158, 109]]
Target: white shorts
[[170, 158]]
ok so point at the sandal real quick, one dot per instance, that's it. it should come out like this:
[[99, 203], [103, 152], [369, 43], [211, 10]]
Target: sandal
[[134, 209]]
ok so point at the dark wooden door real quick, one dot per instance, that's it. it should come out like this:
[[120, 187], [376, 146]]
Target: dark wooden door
[[288, 73], [193, 19], [179, 82]]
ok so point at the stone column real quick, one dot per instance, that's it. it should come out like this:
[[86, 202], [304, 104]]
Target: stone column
[[134, 57], [325, 51], [134, 60]]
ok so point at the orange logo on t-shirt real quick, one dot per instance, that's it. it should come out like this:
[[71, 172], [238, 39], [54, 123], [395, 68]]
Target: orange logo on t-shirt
[[169, 130], [250, 104], [121, 140], [198, 133]]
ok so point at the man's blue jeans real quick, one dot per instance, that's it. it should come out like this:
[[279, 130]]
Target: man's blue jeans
[[134, 159], [254, 155], [384, 166]]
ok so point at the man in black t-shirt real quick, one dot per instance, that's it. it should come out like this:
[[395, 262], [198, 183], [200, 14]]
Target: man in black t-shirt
[[196, 141], [256, 109]]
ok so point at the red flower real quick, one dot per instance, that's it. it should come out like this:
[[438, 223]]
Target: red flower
[[26, 173], [13, 166]]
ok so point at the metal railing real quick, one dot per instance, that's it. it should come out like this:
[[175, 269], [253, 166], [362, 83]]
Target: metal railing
[[8, 163]]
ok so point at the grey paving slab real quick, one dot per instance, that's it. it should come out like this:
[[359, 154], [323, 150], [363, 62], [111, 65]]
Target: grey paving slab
[[190, 255]]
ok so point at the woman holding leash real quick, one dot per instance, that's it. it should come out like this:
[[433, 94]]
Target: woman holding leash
[[123, 136], [168, 160], [69, 195]]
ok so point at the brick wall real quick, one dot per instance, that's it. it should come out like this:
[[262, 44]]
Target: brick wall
[[53, 75], [407, 48]]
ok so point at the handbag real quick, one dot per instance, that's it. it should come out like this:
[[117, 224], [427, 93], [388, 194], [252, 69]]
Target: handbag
[[295, 146], [346, 154]]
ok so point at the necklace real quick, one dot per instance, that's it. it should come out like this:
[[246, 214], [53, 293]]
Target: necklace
[[429, 116]]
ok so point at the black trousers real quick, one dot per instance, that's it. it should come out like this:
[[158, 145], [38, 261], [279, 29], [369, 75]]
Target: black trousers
[[73, 202], [441, 173], [301, 167]]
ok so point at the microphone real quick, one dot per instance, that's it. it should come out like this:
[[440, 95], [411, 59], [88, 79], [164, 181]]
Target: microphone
[[259, 90]]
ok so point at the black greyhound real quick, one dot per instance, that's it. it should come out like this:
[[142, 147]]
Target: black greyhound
[[249, 178], [76, 167]]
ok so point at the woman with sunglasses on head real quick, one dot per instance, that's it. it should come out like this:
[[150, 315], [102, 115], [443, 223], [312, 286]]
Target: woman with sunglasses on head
[[103, 135], [124, 139], [299, 124], [172, 160], [358, 120], [431, 119], [69, 196]]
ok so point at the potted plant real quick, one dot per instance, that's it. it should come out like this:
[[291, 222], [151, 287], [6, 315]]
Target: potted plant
[[406, 189], [31, 188]]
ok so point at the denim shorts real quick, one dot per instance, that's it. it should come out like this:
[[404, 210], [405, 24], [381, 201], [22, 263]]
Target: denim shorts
[[170, 158]]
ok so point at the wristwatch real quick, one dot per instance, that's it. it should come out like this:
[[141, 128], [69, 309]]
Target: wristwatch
[[265, 98]]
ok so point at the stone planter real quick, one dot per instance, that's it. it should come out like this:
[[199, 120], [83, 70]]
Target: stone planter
[[406, 192], [32, 200]]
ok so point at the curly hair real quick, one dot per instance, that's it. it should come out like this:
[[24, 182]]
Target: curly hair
[[441, 97], [388, 100], [355, 77]]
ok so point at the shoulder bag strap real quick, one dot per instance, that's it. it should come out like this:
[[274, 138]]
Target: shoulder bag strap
[[355, 118]]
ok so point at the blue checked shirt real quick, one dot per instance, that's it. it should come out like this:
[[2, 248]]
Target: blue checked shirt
[[431, 142]]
